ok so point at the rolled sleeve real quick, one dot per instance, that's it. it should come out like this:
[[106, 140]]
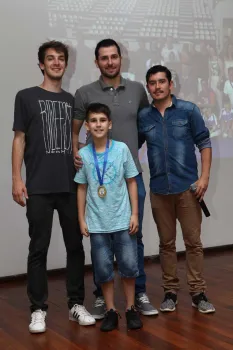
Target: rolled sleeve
[[200, 132], [205, 144]]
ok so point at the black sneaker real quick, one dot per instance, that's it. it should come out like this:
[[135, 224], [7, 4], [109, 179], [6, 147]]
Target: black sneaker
[[110, 321], [169, 302], [201, 303], [133, 319]]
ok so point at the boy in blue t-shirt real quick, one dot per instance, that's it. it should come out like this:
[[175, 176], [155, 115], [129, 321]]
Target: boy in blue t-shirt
[[108, 212]]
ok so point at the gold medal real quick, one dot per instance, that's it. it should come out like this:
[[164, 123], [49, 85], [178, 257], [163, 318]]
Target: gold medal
[[102, 191]]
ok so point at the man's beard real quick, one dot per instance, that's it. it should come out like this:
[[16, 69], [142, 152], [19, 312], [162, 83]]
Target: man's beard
[[110, 76]]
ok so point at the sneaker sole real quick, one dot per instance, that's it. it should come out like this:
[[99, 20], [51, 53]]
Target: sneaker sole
[[71, 318], [36, 332], [98, 317], [148, 313], [109, 330], [201, 311], [134, 328], [167, 310]]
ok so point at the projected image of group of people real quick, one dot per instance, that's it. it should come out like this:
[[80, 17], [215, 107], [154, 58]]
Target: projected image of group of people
[[203, 75], [194, 40]]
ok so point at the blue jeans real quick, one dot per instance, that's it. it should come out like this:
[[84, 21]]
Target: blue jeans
[[121, 244], [140, 285]]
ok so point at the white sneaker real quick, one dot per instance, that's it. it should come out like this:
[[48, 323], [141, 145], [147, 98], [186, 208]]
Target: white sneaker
[[38, 324], [79, 314]]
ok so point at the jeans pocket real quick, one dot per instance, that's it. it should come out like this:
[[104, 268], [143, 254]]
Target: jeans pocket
[[187, 199]]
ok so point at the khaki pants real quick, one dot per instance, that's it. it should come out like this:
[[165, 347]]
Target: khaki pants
[[184, 207]]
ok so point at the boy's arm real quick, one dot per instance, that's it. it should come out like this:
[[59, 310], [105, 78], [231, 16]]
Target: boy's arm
[[133, 195], [19, 191], [81, 204]]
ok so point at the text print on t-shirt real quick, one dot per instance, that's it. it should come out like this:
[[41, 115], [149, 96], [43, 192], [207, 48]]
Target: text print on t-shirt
[[56, 118]]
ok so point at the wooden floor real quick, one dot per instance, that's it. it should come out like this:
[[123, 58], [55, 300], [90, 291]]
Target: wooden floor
[[183, 329]]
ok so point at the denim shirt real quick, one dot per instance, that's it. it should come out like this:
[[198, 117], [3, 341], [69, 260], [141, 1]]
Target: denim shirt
[[171, 144]]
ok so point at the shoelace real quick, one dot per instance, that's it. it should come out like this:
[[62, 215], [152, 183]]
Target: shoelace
[[99, 302], [79, 310], [133, 312], [144, 299], [38, 316]]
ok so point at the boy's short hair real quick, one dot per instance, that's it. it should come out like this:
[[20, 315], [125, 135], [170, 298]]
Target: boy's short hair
[[97, 107]]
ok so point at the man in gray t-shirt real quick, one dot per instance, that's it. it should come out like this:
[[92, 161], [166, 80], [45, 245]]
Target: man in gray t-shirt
[[124, 98]]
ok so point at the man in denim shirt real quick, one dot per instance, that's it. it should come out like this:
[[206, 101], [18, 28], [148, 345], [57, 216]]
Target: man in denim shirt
[[171, 128]]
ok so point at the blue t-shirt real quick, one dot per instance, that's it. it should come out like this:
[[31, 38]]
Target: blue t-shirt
[[111, 213]]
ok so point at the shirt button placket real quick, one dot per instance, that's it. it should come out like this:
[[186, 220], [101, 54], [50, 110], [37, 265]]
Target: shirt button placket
[[115, 97], [166, 150]]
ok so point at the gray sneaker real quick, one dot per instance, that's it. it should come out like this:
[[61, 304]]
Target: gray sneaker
[[99, 308], [169, 302], [143, 305], [201, 303]]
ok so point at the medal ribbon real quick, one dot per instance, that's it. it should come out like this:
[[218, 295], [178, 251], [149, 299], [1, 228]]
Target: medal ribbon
[[101, 178]]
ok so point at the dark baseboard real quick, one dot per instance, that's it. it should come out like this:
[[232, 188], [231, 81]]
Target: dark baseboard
[[210, 251], [152, 258]]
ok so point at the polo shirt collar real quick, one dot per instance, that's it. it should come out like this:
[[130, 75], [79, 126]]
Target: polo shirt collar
[[105, 86]]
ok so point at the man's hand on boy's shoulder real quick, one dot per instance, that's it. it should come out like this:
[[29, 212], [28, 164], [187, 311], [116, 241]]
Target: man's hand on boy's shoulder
[[134, 225], [84, 229], [78, 161]]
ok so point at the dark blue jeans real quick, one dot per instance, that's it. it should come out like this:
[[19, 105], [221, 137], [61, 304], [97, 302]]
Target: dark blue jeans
[[140, 286], [121, 244]]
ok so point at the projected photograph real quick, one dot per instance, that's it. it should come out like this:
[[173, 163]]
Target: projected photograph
[[194, 39]]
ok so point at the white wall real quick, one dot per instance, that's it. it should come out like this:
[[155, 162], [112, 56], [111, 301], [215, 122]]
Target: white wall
[[23, 26]]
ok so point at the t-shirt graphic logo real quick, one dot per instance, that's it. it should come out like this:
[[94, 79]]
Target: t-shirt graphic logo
[[56, 118], [109, 175]]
